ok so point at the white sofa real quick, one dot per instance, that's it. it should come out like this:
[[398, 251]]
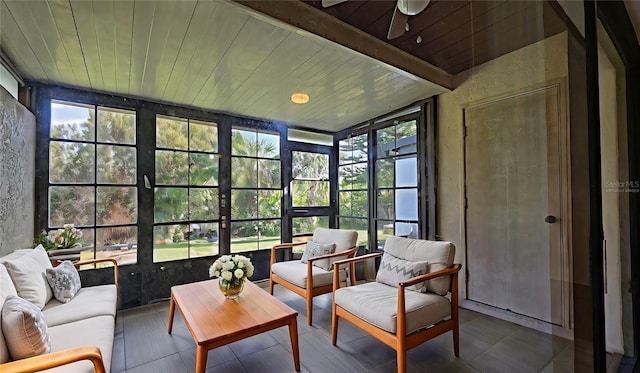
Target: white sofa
[[80, 331]]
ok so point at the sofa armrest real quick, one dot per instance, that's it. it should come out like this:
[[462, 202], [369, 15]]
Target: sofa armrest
[[56, 359], [283, 246], [101, 260]]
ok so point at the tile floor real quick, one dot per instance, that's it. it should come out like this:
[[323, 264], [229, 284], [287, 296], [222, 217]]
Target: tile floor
[[487, 344]]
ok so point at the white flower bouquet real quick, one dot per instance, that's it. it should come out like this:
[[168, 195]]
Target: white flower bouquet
[[232, 270]]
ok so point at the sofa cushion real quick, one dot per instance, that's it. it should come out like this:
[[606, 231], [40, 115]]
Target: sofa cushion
[[313, 249], [29, 277], [439, 254], [6, 289], [394, 270], [64, 281], [295, 272], [342, 238], [378, 304], [24, 328], [94, 331], [89, 302]]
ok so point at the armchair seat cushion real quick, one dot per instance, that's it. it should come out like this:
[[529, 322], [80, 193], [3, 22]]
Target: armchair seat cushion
[[295, 272], [377, 304]]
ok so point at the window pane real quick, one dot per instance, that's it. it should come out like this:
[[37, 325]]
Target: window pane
[[203, 240], [116, 164], [386, 141], [71, 162], [310, 193], [72, 121], [384, 230], [269, 233], [116, 126], [244, 172], [269, 204], [116, 205], [384, 173], [345, 203], [71, 205], [360, 148], [204, 204], [360, 176], [169, 242], [244, 204], [244, 142], [203, 136], [310, 165], [171, 133], [172, 168], [119, 243], [268, 174], [406, 135], [170, 204], [204, 169], [385, 204], [407, 204], [360, 204], [345, 151], [407, 172], [268, 146], [244, 236], [359, 225], [308, 224], [409, 230], [345, 178]]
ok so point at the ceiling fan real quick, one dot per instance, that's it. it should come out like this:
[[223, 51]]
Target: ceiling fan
[[401, 13]]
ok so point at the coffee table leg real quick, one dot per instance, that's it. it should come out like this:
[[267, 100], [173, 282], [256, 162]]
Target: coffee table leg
[[172, 310], [293, 333], [201, 359]]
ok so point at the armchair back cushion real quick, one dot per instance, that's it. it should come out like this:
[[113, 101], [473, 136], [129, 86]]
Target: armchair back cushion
[[6, 289], [343, 239], [24, 328], [439, 255], [28, 272]]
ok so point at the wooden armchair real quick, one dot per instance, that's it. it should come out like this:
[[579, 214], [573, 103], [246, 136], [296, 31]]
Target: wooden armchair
[[412, 310], [307, 279]]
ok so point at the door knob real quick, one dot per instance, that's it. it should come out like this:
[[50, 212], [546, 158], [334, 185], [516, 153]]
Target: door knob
[[550, 219]]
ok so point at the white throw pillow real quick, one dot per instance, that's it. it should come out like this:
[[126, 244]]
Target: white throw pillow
[[314, 249], [64, 281], [24, 328], [394, 270], [28, 273]]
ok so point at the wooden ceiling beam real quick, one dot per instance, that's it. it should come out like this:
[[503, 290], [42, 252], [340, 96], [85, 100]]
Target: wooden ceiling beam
[[303, 16]]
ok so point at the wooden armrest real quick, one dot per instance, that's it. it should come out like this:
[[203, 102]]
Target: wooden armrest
[[101, 260], [347, 253], [56, 359], [338, 263], [283, 246], [444, 272]]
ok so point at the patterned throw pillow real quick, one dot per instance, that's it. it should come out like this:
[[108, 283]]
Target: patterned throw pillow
[[394, 270], [314, 249], [24, 328], [64, 280]]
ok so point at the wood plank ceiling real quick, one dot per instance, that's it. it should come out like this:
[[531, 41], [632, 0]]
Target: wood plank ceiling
[[455, 35], [231, 57], [206, 54]]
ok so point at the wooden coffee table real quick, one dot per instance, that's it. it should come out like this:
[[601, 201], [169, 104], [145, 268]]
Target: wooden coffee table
[[214, 321]]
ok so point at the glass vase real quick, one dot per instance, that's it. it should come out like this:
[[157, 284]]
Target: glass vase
[[231, 290]]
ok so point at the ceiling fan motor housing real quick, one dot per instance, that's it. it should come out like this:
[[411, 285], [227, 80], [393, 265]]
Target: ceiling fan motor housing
[[412, 7]]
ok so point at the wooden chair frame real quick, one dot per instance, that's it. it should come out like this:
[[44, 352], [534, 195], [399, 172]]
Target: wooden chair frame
[[68, 356], [400, 341], [309, 292]]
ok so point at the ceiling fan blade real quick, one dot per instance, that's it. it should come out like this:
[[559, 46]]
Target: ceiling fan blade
[[412, 7], [398, 24], [328, 3]]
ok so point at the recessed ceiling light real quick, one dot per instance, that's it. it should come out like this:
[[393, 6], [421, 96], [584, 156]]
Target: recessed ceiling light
[[299, 98]]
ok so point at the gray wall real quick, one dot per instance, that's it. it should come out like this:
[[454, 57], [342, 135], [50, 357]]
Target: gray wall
[[17, 174]]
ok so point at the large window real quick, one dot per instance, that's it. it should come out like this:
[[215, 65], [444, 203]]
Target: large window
[[186, 204], [92, 178], [353, 186], [310, 179], [256, 190], [396, 181]]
